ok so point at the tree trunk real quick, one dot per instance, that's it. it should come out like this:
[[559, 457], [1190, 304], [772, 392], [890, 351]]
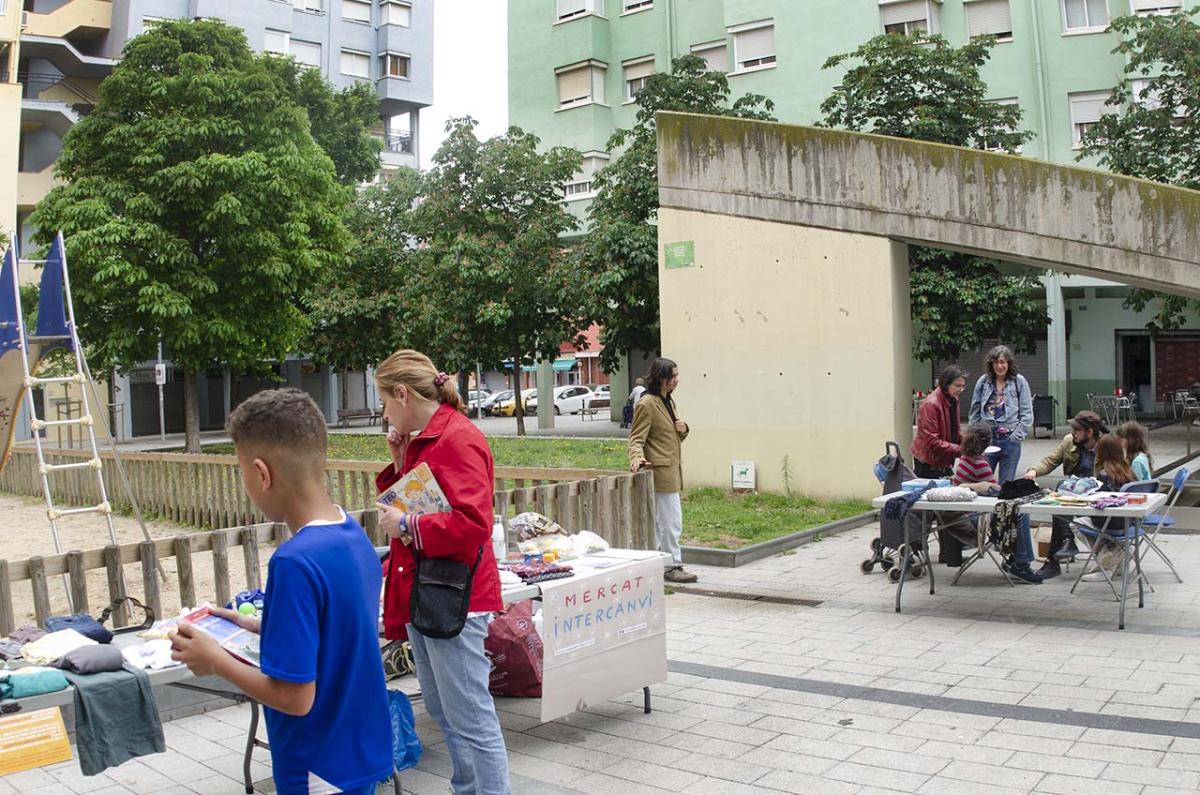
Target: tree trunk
[[344, 375], [191, 412], [518, 406]]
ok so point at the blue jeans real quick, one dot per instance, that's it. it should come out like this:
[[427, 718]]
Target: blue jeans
[[1023, 553], [453, 673], [1004, 463]]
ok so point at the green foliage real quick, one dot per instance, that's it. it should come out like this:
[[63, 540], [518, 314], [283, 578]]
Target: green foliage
[[340, 120], [196, 206], [1153, 131], [923, 88], [620, 251]]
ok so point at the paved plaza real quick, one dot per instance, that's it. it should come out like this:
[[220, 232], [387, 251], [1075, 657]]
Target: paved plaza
[[797, 676]]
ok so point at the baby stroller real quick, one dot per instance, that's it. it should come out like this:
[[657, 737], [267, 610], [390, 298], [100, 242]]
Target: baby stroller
[[886, 550], [627, 414]]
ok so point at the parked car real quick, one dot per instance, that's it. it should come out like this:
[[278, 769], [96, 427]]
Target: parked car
[[475, 397], [567, 399], [489, 403], [601, 398], [507, 408]]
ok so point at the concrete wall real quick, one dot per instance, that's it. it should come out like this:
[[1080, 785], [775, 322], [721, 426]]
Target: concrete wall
[[790, 341], [10, 136]]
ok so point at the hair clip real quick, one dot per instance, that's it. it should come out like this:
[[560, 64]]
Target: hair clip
[[440, 379]]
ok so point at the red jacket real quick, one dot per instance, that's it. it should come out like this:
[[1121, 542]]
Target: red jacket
[[460, 459], [934, 420]]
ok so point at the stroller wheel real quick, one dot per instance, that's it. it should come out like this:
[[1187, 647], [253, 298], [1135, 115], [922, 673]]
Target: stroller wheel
[[867, 566], [894, 575], [886, 564], [916, 572], [876, 545]]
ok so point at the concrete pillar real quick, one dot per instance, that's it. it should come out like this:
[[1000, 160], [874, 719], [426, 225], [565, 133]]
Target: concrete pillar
[[227, 391], [124, 414], [545, 393], [1056, 345], [792, 342], [291, 373], [331, 393]]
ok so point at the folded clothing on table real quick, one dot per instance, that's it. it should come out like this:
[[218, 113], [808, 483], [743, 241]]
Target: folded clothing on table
[[539, 571], [46, 650], [116, 718], [92, 659], [31, 681]]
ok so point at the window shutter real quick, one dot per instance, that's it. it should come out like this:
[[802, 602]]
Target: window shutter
[[398, 14], [988, 17], [899, 13], [307, 52], [636, 70], [717, 58], [1154, 5], [567, 8], [756, 43], [575, 84], [1087, 109], [275, 41], [359, 12]]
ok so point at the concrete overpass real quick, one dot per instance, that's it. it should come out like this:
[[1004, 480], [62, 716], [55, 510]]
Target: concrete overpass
[[784, 276]]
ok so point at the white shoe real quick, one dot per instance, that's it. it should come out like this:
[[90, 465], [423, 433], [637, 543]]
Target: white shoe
[[1098, 576]]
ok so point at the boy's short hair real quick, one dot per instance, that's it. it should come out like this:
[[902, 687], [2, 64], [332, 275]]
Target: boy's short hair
[[976, 439], [284, 420]]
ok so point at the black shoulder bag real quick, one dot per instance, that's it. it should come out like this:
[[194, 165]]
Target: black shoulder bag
[[441, 595]]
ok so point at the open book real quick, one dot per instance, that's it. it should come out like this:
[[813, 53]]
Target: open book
[[417, 492], [241, 643]]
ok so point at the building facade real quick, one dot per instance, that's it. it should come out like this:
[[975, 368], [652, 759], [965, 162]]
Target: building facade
[[575, 67]]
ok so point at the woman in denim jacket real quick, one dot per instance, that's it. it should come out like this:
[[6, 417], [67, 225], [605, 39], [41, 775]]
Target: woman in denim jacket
[[1003, 401]]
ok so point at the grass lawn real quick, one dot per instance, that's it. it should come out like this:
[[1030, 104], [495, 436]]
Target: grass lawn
[[722, 519], [508, 451]]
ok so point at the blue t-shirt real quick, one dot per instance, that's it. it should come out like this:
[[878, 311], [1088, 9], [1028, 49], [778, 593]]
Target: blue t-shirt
[[320, 623]]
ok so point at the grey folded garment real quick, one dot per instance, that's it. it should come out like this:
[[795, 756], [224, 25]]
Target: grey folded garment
[[116, 718], [9, 650], [26, 634], [92, 659]]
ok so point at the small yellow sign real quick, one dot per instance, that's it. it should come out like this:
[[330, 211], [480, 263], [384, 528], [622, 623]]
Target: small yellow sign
[[33, 739]]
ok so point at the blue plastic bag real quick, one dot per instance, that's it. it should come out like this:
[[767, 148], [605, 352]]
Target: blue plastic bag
[[406, 746]]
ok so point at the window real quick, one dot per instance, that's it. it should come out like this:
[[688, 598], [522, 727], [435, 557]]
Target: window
[[580, 84], [306, 52], [275, 41], [1143, 92], [989, 18], [714, 54], [355, 63], [396, 14], [147, 22], [636, 5], [1086, 110], [580, 186], [1154, 8], [569, 9], [315, 6], [1084, 15], [996, 146], [395, 64], [636, 74], [356, 11], [908, 18], [754, 46]]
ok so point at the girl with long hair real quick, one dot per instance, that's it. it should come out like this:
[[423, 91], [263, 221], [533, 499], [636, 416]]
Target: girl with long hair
[[1002, 400], [1137, 450]]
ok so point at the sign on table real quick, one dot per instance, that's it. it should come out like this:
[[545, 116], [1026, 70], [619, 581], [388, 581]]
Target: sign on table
[[33, 739], [604, 631]]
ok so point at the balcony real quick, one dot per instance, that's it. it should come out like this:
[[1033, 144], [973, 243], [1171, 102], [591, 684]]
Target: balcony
[[32, 187], [82, 18], [397, 151], [65, 56]]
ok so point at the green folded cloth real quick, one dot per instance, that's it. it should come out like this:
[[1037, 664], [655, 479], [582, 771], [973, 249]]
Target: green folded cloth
[[34, 684]]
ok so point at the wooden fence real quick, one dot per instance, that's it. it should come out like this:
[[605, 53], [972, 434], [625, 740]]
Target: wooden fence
[[207, 491]]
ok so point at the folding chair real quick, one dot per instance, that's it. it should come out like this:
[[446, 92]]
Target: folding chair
[[1157, 521], [983, 546], [1127, 538]]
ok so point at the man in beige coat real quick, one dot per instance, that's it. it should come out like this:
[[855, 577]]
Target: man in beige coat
[[655, 441]]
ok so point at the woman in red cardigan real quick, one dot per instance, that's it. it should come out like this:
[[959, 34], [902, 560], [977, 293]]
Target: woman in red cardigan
[[428, 425], [938, 441]]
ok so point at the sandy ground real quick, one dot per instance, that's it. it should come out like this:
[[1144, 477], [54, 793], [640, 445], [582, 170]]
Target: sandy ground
[[25, 532]]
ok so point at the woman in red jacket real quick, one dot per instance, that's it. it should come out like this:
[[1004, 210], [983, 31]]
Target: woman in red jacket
[[428, 425], [938, 441]]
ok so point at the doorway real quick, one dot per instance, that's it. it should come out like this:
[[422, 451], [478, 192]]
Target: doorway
[[1135, 367]]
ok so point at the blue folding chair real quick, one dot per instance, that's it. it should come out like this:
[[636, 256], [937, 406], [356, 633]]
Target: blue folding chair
[[1127, 537], [1157, 521]]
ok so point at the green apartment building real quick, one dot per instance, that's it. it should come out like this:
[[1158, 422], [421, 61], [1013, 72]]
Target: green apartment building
[[575, 67]]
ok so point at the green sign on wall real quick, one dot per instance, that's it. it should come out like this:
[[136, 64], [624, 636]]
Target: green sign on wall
[[680, 255]]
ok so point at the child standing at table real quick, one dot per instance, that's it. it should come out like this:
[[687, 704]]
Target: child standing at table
[[321, 680], [1137, 450]]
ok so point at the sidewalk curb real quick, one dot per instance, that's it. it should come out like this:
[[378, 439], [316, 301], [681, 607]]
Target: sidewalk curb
[[732, 558]]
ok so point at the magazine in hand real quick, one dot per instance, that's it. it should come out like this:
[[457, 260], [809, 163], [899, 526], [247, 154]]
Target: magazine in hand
[[241, 643], [417, 492]]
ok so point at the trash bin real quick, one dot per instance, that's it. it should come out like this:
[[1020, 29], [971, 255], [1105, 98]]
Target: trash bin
[[1043, 413]]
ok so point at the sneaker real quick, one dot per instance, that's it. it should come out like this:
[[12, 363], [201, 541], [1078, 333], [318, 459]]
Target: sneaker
[[1068, 552], [1049, 570], [1098, 576], [678, 574], [1022, 572]]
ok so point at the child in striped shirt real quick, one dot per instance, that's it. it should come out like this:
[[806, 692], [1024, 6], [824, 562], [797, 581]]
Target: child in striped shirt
[[972, 469]]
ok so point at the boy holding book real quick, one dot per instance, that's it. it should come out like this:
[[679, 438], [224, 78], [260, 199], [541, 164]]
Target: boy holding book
[[321, 678]]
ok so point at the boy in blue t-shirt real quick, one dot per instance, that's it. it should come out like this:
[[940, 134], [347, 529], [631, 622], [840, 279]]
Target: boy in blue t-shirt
[[321, 680]]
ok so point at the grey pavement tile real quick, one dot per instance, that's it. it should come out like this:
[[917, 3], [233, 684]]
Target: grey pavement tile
[[1177, 761], [135, 776], [217, 785], [807, 745], [710, 746], [1023, 742], [720, 786], [27, 780], [638, 772], [212, 728], [730, 769], [933, 731], [900, 760], [1139, 774], [1038, 729], [1060, 784], [1116, 753], [803, 784], [991, 774], [1155, 742], [799, 728], [1165, 791], [1051, 762], [789, 760], [875, 776], [749, 735], [882, 740], [970, 753], [5, 787], [956, 719], [950, 786], [601, 784]]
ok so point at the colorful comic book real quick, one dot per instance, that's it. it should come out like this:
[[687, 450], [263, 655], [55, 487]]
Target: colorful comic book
[[241, 643], [416, 492]]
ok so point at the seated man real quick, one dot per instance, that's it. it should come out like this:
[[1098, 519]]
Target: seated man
[[1076, 453], [973, 471]]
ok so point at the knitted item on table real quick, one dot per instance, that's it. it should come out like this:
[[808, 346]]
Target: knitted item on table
[[950, 494]]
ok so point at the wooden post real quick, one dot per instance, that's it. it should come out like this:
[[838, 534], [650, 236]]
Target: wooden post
[[7, 616], [220, 550], [78, 579], [116, 585], [150, 577], [521, 498], [643, 511], [41, 594], [566, 508], [370, 523], [625, 510], [544, 502], [250, 556], [187, 579]]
